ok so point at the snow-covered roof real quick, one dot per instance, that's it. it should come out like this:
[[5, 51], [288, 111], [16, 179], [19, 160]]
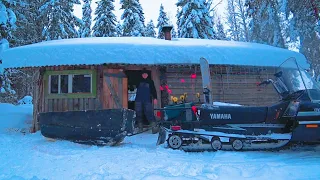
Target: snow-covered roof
[[143, 50]]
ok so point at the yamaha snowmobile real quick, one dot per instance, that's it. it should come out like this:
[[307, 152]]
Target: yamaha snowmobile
[[295, 118]]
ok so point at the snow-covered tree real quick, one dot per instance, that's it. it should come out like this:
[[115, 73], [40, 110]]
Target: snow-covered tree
[[303, 19], [220, 30], [174, 33], [233, 21], [62, 22], [29, 23], [237, 20], [150, 32], [85, 28], [106, 21], [162, 21], [194, 20], [7, 19], [7, 94], [264, 24], [119, 30], [133, 18]]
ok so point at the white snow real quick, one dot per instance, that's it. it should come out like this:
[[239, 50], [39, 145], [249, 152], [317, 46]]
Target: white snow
[[143, 50], [225, 104], [15, 118], [25, 100], [32, 156]]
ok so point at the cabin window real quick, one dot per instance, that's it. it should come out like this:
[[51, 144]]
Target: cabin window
[[73, 84], [54, 84], [61, 84], [81, 83]]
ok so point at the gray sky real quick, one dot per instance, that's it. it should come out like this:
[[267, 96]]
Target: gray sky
[[151, 9]]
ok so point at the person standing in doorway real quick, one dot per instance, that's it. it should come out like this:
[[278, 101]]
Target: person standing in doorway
[[146, 93]]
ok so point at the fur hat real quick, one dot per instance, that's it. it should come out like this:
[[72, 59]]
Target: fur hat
[[144, 70]]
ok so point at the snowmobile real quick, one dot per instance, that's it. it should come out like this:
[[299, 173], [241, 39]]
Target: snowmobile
[[295, 118]]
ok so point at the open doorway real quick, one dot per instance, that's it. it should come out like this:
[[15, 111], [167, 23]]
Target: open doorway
[[134, 77]]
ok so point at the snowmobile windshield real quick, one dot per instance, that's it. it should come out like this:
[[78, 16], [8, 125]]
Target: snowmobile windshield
[[293, 79]]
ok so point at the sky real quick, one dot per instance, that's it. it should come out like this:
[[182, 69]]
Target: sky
[[150, 9]]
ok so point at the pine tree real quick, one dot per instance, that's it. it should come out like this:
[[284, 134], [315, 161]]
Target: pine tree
[[220, 30], [194, 20], [85, 29], [174, 33], [303, 20], [150, 32], [106, 21], [119, 30], [264, 25], [162, 21], [61, 21], [7, 19], [29, 23], [133, 18], [233, 21]]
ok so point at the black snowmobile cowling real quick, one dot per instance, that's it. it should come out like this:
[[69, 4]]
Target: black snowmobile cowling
[[295, 118], [99, 127]]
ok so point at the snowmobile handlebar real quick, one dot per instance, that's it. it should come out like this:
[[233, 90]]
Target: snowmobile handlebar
[[266, 82]]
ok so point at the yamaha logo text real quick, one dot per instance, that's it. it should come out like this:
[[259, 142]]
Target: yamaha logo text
[[220, 116]]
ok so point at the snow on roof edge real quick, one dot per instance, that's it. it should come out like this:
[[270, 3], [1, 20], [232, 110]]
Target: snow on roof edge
[[146, 51]]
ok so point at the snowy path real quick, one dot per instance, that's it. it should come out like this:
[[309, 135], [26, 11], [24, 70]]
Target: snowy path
[[32, 156]]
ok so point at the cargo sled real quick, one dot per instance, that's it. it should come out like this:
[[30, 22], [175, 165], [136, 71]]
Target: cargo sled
[[295, 118], [98, 127]]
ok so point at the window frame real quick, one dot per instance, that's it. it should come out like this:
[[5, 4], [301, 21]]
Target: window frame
[[59, 95]]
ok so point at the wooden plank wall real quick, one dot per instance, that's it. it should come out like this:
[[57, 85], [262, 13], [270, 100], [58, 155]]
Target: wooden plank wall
[[232, 84], [75, 104]]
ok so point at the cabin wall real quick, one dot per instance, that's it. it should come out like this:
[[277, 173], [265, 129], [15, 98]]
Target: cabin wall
[[231, 84]]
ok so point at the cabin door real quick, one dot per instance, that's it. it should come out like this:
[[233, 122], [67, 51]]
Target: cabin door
[[115, 87]]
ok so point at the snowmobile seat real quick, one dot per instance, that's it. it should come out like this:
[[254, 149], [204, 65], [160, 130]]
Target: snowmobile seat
[[218, 115]]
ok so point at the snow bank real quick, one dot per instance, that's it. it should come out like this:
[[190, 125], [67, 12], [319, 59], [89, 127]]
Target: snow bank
[[15, 118], [144, 50]]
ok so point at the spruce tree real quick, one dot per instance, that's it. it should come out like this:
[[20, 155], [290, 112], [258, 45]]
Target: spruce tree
[[162, 21], [106, 21], [29, 23], [220, 30], [119, 30], [85, 28], [62, 22], [133, 18], [264, 24], [174, 33], [150, 32], [303, 19], [7, 19], [194, 20]]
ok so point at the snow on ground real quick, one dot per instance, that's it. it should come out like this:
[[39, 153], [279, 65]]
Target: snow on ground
[[32, 156], [15, 118]]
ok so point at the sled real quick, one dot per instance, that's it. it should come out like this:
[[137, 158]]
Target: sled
[[98, 127]]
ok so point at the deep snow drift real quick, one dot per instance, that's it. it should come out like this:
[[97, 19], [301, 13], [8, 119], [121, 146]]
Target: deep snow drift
[[31, 156]]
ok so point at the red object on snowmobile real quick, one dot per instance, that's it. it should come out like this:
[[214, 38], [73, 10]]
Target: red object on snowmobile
[[159, 114], [194, 109], [175, 128]]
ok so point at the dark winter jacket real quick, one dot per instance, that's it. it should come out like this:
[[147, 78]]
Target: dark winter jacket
[[146, 91]]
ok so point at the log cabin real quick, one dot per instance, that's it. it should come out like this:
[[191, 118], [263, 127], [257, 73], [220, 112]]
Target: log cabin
[[100, 73]]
